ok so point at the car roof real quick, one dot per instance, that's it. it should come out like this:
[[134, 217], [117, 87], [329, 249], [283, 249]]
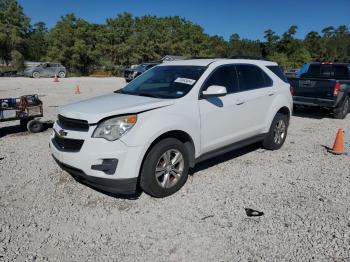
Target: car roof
[[207, 62]]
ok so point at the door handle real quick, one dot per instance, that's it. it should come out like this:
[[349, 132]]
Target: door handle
[[240, 102], [271, 93]]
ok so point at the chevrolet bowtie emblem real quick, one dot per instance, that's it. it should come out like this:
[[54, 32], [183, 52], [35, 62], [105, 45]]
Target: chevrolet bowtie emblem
[[62, 132]]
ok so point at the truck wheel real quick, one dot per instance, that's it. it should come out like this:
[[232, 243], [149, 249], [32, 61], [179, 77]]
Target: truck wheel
[[341, 111], [165, 168], [277, 134], [35, 126]]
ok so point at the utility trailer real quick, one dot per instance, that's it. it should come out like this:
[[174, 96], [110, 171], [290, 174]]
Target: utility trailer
[[27, 109]]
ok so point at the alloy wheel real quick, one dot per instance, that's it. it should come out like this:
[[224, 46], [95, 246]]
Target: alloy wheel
[[169, 168], [279, 132]]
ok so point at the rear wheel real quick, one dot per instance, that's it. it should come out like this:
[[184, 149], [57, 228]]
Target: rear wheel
[[61, 74], [277, 134], [165, 169], [341, 111]]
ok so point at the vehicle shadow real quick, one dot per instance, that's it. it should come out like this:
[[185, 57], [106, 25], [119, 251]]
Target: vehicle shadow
[[18, 129], [224, 157], [200, 166], [312, 112], [9, 130]]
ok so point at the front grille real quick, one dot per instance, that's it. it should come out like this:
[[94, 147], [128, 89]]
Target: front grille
[[67, 144], [73, 124]]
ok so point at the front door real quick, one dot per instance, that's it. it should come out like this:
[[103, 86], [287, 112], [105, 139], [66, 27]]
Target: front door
[[222, 117]]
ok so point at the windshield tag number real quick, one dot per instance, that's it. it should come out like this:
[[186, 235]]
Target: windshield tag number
[[186, 81]]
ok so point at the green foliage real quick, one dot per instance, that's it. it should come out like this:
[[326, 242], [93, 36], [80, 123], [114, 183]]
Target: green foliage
[[299, 57], [17, 60], [72, 42], [125, 40], [14, 26], [37, 42], [281, 58]]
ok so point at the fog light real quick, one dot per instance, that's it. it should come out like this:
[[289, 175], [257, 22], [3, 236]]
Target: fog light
[[108, 166]]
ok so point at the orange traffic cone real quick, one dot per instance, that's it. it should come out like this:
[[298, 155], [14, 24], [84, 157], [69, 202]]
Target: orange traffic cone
[[338, 147], [56, 78], [77, 89]]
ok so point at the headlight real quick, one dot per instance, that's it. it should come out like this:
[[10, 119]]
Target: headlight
[[114, 128]]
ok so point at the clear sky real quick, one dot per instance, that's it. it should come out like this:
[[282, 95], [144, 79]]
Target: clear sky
[[248, 18]]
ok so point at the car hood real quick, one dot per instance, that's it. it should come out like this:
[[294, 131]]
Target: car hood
[[95, 109]]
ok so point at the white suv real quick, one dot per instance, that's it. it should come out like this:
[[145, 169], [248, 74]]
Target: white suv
[[148, 134]]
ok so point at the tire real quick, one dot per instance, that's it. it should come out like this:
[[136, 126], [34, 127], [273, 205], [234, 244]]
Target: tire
[[36, 75], [166, 181], [277, 134], [61, 74], [342, 110], [35, 126]]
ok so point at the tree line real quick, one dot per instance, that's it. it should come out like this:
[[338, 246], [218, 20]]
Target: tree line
[[125, 40]]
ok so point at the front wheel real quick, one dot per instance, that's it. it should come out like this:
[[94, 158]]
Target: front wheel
[[341, 111], [165, 169], [36, 75], [278, 132]]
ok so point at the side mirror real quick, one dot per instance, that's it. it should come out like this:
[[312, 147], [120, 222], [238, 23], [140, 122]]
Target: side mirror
[[214, 91]]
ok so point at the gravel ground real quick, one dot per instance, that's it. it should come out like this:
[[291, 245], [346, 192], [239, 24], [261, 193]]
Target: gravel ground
[[303, 191]]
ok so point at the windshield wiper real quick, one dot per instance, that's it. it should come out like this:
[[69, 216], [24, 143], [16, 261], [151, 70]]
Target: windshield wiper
[[120, 91], [148, 95]]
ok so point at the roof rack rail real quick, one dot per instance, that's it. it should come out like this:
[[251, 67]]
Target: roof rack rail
[[203, 57], [248, 57]]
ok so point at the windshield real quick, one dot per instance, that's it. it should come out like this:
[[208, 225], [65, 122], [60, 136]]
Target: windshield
[[165, 81]]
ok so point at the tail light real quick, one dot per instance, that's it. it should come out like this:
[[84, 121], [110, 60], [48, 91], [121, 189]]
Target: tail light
[[291, 89], [337, 89]]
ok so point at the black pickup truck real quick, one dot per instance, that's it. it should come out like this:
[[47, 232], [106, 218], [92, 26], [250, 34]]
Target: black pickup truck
[[323, 85]]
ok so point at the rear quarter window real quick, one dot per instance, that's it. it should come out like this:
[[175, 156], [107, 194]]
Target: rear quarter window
[[341, 71], [278, 72]]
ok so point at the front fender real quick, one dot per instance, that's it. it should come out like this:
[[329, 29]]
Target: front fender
[[154, 123]]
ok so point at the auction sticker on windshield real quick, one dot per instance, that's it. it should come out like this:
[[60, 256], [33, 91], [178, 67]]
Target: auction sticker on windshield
[[186, 81]]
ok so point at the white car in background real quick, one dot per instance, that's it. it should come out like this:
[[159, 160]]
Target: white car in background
[[148, 134]]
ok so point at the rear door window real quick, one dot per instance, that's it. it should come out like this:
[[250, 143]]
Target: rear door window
[[252, 77], [223, 76]]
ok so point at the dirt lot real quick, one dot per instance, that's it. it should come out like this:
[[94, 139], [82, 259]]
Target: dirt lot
[[303, 191]]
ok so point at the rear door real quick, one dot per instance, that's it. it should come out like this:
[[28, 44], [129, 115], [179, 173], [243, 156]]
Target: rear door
[[257, 93], [53, 69]]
